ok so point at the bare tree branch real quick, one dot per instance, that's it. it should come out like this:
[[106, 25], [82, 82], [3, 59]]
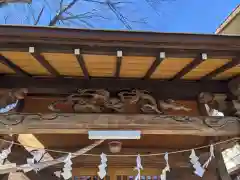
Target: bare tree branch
[[39, 16], [67, 17], [95, 1], [154, 7], [118, 14], [154, 4], [5, 19], [61, 4], [60, 13], [87, 15]]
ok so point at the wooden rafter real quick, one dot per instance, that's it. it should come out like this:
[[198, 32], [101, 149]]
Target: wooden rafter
[[147, 124], [155, 64], [45, 64], [197, 61], [231, 64], [81, 63], [13, 66], [160, 89], [118, 63]]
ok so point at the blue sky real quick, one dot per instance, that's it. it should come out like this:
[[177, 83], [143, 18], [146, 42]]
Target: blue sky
[[191, 16]]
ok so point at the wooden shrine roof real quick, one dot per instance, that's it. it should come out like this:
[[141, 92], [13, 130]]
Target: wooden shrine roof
[[93, 53]]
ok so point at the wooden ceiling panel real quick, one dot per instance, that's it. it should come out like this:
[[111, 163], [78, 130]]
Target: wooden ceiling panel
[[5, 69], [134, 66], [170, 67], [100, 65], [26, 62], [65, 64], [205, 68], [228, 73]]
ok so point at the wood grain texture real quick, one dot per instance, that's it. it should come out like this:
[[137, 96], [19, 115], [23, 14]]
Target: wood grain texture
[[100, 65], [133, 66], [170, 67], [204, 68], [147, 141], [228, 73], [5, 69], [148, 124], [65, 64], [26, 62], [65, 38]]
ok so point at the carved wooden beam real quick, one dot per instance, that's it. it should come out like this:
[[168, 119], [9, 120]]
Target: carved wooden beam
[[148, 124], [182, 89]]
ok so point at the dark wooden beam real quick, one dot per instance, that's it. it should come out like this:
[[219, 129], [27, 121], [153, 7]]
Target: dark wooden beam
[[231, 64], [4, 177], [67, 123], [13, 66], [154, 65], [91, 38], [179, 90], [118, 63], [81, 63], [45, 64], [197, 61]]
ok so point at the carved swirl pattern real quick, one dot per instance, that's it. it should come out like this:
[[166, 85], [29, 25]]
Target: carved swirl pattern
[[12, 119]]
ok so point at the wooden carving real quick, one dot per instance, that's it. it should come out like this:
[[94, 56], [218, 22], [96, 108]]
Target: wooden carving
[[215, 104], [11, 97], [171, 104], [100, 100]]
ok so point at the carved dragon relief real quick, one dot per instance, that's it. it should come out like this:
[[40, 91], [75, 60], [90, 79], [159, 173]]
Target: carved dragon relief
[[101, 101]]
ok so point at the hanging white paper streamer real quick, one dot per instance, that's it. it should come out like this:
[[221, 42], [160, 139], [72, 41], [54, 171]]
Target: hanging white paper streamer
[[4, 154], [102, 167], [205, 165], [199, 170], [37, 156], [57, 174], [138, 167], [67, 169], [26, 168], [167, 168]]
